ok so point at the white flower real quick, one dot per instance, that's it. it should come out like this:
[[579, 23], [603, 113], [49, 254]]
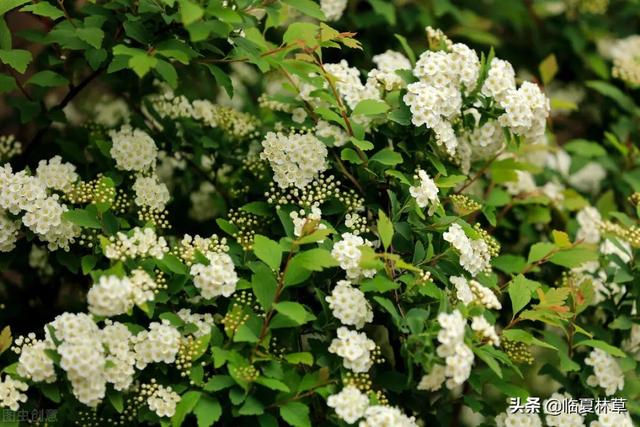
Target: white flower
[[589, 220], [111, 296], [606, 372], [150, 192], [589, 178], [333, 9], [485, 330], [35, 364], [296, 159], [202, 321], [434, 379], [302, 219], [386, 416], [500, 79], [625, 53], [12, 393], [217, 278], [350, 404], [458, 356], [159, 344], [610, 419], [163, 401], [426, 192], [336, 134], [349, 305], [354, 348], [474, 254], [518, 419], [387, 64], [143, 242], [566, 419], [473, 291], [55, 174], [133, 149], [298, 115], [8, 232], [631, 345], [347, 253]]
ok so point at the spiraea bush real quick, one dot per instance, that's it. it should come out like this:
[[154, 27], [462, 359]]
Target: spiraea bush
[[260, 212]]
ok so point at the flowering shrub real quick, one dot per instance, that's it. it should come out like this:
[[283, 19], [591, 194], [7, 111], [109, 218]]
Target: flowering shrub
[[226, 222]]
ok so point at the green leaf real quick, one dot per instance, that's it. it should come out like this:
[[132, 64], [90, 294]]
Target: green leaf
[[450, 181], [116, 400], [585, 148], [308, 7], [251, 406], [520, 290], [573, 257], [304, 32], [273, 384], [219, 382], [523, 336], [173, 264], [548, 69], [168, 73], [268, 251], [387, 157], [509, 263], [17, 59], [407, 49], [7, 5], [379, 283], [141, 63], [294, 311], [45, 9], [91, 35], [190, 12], [370, 107], [264, 286], [610, 91], [83, 218], [222, 78], [539, 251], [295, 414], [385, 229], [207, 411], [315, 259], [487, 358], [299, 358], [7, 83], [385, 9], [614, 351], [5, 36], [186, 405], [5, 339], [87, 263], [47, 78]]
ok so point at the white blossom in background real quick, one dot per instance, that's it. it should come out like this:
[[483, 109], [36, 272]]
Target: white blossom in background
[[150, 192], [12, 393], [381, 415], [298, 115], [486, 330], [55, 174], [133, 149], [610, 419], [335, 133], [347, 253], [474, 253], [110, 112], [589, 220], [469, 291], [518, 420], [350, 404], [163, 401], [159, 344], [589, 178], [203, 206], [625, 53], [434, 379], [631, 345], [566, 419], [216, 279], [458, 356], [8, 232], [606, 372], [349, 305], [426, 192], [333, 9], [355, 349], [619, 247], [387, 64], [111, 296], [296, 159], [523, 185]]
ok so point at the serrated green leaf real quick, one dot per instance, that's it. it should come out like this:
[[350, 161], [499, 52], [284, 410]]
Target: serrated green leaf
[[47, 78], [17, 59]]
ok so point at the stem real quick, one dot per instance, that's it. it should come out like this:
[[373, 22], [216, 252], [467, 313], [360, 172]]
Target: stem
[[344, 170], [479, 173]]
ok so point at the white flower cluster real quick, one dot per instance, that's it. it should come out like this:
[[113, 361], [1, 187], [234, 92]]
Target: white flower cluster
[[163, 401], [159, 344], [112, 295], [458, 356], [296, 159], [486, 330], [8, 232], [625, 53], [589, 220], [142, 243], [611, 419], [518, 419], [631, 345], [349, 85], [469, 291], [9, 147], [355, 349], [217, 278], [55, 174], [34, 363], [349, 305], [434, 379], [606, 372], [347, 253], [12, 393], [203, 322], [333, 133], [350, 404], [446, 76], [474, 253], [22, 193], [566, 419], [203, 206], [311, 221], [110, 111], [333, 9], [133, 149], [120, 359], [387, 64], [426, 192], [150, 192]]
